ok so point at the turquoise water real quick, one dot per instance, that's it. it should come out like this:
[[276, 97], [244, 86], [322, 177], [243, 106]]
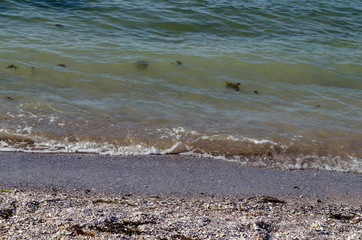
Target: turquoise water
[[151, 77]]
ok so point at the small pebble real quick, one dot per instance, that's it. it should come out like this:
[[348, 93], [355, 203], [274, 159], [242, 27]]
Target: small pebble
[[113, 219]]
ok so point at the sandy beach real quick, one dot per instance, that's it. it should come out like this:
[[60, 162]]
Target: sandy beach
[[78, 196]]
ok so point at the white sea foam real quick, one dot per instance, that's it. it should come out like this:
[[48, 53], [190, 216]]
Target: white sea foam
[[31, 143]]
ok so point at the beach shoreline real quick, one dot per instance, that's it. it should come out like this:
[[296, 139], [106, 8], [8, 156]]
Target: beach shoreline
[[85, 196]]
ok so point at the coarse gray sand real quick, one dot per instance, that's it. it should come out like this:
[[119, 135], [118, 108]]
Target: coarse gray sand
[[76, 196]]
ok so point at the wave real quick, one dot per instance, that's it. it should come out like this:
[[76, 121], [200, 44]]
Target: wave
[[247, 151]]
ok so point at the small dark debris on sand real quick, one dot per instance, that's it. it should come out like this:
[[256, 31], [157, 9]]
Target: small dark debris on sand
[[124, 227], [343, 217], [142, 65], [269, 199], [78, 230], [233, 85], [12, 66], [263, 230], [6, 213], [32, 206]]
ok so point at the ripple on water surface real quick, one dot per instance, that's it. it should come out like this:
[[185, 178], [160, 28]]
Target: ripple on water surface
[[267, 83]]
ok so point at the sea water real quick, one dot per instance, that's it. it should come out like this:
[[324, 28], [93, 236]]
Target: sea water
[[266, 83]]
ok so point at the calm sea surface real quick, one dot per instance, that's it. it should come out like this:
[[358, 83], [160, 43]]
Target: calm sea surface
[[270, 83]]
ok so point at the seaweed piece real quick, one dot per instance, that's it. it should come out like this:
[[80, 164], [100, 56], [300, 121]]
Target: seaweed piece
[[233, 85], [342, 217], [178, 62], [269, 199], [104, 201], [9, 98], [126, 227], [6, 213], [182, 237], [78, 230], [12, 66], [142, 65]]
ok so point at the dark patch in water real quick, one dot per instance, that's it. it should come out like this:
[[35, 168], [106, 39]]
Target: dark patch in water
[[233, 85], [59, 5], [142, 65], [12, 66], [62, 65]]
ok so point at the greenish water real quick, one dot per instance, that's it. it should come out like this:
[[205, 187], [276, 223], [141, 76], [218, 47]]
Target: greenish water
[[71, 80]]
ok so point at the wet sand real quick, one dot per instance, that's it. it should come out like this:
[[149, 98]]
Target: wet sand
[[77, 196], [172, 175]]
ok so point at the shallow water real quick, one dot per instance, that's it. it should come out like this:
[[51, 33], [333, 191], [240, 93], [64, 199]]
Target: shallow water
[[76, 84]]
